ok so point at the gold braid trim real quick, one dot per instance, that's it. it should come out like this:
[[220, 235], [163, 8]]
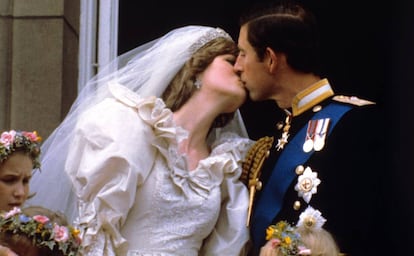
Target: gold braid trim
[[252, 166]]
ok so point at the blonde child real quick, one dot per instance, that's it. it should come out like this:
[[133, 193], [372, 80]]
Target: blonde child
[[306, 238]]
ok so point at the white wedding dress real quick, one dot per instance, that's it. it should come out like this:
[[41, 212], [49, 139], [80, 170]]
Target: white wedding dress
[[137, 196]]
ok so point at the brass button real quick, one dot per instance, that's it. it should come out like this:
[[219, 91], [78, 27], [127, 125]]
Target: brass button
[[299, 169], [279, 125], [317, 108], [296, 205]]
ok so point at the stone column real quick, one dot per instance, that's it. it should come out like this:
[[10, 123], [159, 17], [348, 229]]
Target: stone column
[[38, 62]]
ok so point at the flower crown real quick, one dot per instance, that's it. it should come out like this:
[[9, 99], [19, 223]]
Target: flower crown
[[286, 237], [12, 140], [42, 231]]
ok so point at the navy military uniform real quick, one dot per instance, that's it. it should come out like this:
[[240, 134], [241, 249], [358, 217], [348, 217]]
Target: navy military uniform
[[348, 164]]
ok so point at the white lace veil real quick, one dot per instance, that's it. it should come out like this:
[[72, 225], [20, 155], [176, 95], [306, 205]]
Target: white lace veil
[[147, 70]]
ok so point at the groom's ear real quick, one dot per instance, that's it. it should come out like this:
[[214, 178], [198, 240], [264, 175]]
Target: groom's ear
[[271, 59]]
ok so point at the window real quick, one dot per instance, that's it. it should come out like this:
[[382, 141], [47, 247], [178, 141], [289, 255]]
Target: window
[[98, 39]]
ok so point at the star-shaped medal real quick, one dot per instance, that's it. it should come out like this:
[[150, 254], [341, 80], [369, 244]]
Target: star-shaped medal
[[307, 184], [282, 141], [285, 135]]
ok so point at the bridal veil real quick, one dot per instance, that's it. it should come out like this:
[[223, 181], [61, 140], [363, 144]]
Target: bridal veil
[[146, 70]]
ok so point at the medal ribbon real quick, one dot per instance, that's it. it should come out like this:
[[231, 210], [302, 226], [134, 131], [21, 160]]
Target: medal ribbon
[[310, 133], [319, 140]]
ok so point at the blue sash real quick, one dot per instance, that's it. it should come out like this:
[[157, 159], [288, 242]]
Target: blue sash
[[284, 172]]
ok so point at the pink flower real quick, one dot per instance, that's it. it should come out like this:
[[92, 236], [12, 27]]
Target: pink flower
[[41, 219], [32, 136], [61, 234], [7, 138], [12, 212]]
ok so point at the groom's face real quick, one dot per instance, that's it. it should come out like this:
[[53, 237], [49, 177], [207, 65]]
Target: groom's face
[[253, 72]]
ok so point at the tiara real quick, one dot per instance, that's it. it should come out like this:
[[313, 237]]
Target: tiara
[[12, 140], [207, 37], [41, 231]]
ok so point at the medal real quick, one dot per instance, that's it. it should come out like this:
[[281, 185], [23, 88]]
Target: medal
[[308, 145], [310, 133], [320, 135], [319, 143], [285, 135], [282, 141], [307, 184]]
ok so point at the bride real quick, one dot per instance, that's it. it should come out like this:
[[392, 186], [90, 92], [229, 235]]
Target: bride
[[148, 160]]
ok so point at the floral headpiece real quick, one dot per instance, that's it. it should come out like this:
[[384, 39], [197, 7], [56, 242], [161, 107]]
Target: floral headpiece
[[12, 140], [288, 239], [285, 237], [42, 231]]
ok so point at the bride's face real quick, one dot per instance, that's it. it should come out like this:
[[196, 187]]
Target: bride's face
[[220, 77]]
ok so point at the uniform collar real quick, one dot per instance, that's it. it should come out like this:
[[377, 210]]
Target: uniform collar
[[311, 96]]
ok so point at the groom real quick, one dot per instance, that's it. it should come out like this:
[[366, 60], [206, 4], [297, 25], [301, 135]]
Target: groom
[[335, 137]]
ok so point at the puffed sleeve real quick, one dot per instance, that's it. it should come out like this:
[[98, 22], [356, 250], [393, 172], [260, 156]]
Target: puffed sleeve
[[230, 234], [110, 156]]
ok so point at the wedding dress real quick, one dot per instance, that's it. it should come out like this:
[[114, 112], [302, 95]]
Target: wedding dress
[[152, 200], [148, 202]]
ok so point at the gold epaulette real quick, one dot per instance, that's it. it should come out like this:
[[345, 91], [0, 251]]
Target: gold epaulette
[[252, 166], [352, 100]]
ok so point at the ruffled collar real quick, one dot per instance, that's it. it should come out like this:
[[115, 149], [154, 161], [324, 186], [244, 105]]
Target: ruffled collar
[[153, 111]]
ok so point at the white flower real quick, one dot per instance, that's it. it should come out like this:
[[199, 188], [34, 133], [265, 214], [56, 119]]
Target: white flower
[[307, 184], [311, 218]]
